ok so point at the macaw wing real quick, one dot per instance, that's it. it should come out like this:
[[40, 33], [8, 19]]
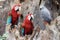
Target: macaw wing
[[9, 19]]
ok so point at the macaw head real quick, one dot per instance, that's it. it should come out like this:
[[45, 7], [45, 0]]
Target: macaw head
[[17, 8], [30, 17]]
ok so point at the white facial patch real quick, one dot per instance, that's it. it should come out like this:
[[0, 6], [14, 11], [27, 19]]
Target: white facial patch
[[29, 17], [16, 7]]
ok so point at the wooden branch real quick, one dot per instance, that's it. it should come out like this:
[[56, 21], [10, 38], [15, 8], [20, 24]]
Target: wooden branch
[[40, 2]]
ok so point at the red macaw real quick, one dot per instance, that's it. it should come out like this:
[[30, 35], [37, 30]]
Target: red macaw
[[28, 24], [15, 15]]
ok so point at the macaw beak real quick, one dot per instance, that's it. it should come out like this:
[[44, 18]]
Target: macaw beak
[[32, 16], [17, 10]]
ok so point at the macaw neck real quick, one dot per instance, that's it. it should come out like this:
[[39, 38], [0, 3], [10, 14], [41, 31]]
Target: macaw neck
[[13, 11]]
